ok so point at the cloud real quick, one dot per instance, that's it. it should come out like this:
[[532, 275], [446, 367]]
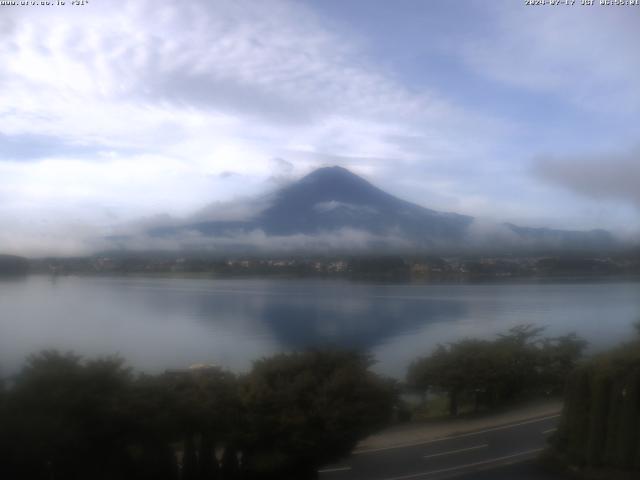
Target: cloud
[[344, 240], [116, 111], [140, 64], [580, 54], [605, 176], [143, 108], [27, 146], [283, 172]]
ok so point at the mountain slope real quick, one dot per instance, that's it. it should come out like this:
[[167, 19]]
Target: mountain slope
[[564, 239], [332, 200]]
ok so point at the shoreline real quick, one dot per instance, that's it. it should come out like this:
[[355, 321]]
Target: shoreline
[[449, 280]]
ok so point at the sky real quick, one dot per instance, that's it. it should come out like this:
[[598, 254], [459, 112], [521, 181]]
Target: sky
[[115, 112]]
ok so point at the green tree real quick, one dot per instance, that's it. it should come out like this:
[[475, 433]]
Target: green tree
[[557, 358], [488, 373], [307, 409], [599, 425], [67, 418], [189, 410], [207, 412], [468, 369]]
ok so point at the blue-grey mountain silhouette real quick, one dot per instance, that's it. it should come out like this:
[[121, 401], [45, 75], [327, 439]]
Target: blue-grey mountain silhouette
[[333, 199], [575, 239]]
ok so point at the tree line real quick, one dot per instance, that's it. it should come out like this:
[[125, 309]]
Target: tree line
[[12, 265], [599, 432], [490, 373], [65, 418]]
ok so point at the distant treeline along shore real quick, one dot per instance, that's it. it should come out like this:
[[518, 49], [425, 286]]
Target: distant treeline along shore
[[392, 267]]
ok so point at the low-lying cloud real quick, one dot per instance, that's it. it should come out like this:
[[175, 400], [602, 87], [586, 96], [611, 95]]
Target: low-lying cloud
[[614, 176], [257, 241]]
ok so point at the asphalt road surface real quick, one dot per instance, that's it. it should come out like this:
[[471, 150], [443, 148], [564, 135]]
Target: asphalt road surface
[[502, 452]]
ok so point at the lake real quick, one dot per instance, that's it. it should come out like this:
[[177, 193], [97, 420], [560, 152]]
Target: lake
[[160, 323]]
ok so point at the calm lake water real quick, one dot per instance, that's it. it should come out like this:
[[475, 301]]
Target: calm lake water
[[159, 323]]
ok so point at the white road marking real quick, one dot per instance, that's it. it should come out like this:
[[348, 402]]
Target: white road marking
[[468, 465], [454, 437], [460, 450], [551, 430], [333, 470]]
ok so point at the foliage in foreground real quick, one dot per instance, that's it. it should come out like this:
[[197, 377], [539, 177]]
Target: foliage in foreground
[[489, 373], [64, 418], [600, 426]]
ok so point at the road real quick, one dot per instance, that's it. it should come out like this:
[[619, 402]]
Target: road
[[501, 452]]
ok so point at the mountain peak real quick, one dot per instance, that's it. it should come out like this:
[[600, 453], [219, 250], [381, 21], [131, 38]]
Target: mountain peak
[[332, 198], [334, 169], [331, 174], [332, 184], [333, 202]]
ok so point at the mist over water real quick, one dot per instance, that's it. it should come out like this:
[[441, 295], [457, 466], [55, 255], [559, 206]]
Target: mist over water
[[165, 323]]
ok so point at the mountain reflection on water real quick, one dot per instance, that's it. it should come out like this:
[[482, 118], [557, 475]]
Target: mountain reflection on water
[[353, 324], [158, 323]]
